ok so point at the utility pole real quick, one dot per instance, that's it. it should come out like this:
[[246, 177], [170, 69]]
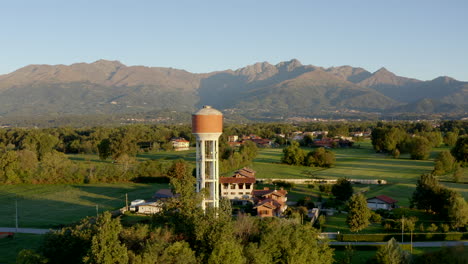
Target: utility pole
[[126, 201], [411, 241], [402, 228], [16, 209]]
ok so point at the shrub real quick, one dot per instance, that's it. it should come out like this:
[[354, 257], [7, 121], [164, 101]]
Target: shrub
[[375, 218], [444, 227], [325, 188], [432, 228]]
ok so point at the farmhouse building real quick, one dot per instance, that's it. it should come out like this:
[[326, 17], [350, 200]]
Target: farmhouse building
[[180, 144], [270, 203], [239, 186], [381, 202]]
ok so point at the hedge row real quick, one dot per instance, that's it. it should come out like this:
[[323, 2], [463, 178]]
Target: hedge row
[[407, 236], [368, 247]]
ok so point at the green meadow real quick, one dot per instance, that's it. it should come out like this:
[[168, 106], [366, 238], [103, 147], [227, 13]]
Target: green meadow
[[49, 206], [358, 163]]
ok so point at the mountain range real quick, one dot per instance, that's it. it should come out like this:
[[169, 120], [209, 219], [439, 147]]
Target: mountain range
[[259, 90]]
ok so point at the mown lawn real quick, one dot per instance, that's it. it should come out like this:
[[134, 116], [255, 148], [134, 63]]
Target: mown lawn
[[356, 163], [48, 206]]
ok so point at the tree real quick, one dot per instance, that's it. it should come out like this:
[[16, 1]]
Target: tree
[[54, 168], [387, 139], [9, 167], [28, 256], [426, 192], [40, 142], [104, 149], [444, 163], [460, 151], [343, 189], [323, 157], [106, 247], [419, 148], [457, 210], [293, 154], [358, 213], [123, 142], [392, 253], [434, 137], [457, 173], [178, 252], [450, 138], [227, 251], [248, 150], [288, 242]]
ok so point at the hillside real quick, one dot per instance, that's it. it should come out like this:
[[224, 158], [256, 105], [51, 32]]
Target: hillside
[[259, 90]]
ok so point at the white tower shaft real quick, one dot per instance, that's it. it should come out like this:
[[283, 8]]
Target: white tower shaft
[[208, 168]]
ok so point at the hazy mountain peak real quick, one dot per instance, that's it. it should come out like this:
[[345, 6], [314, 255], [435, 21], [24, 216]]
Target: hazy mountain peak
[[289, 65], [103, 62], [444, 80], [349, 73], [383, 70], [264, 69]]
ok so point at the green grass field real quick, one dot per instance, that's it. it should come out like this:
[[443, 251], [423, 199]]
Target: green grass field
[[48, 206], [359, 163], [10, 247]]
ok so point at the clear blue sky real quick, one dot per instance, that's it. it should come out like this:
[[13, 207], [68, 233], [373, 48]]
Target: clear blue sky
[[413, 38]]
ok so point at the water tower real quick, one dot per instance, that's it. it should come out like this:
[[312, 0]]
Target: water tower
[[207, 126]]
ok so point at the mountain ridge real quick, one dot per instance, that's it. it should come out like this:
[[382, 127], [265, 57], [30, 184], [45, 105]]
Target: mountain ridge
[[286, 88]]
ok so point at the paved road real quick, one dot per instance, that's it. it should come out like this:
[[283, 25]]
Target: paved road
[[25, 230], [415, 244]]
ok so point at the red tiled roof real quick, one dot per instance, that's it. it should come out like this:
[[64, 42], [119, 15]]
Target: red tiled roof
[[260, 193], [236, 180], [270, 203], [246, 172], [385, 199]]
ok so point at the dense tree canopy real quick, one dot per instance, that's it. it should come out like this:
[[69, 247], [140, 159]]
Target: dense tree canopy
[[444, 163], [460, 150], [419, 148], [293, 154]]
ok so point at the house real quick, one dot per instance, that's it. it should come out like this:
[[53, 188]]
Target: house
[[149, 207], [269, 203], [262, 142], [319, 133], [238, 186], [180, 144], [326, 142], [381, 202], [134, 204], [233, 138]]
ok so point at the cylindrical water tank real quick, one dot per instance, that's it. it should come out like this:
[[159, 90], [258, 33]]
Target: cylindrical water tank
[[207, 120]]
